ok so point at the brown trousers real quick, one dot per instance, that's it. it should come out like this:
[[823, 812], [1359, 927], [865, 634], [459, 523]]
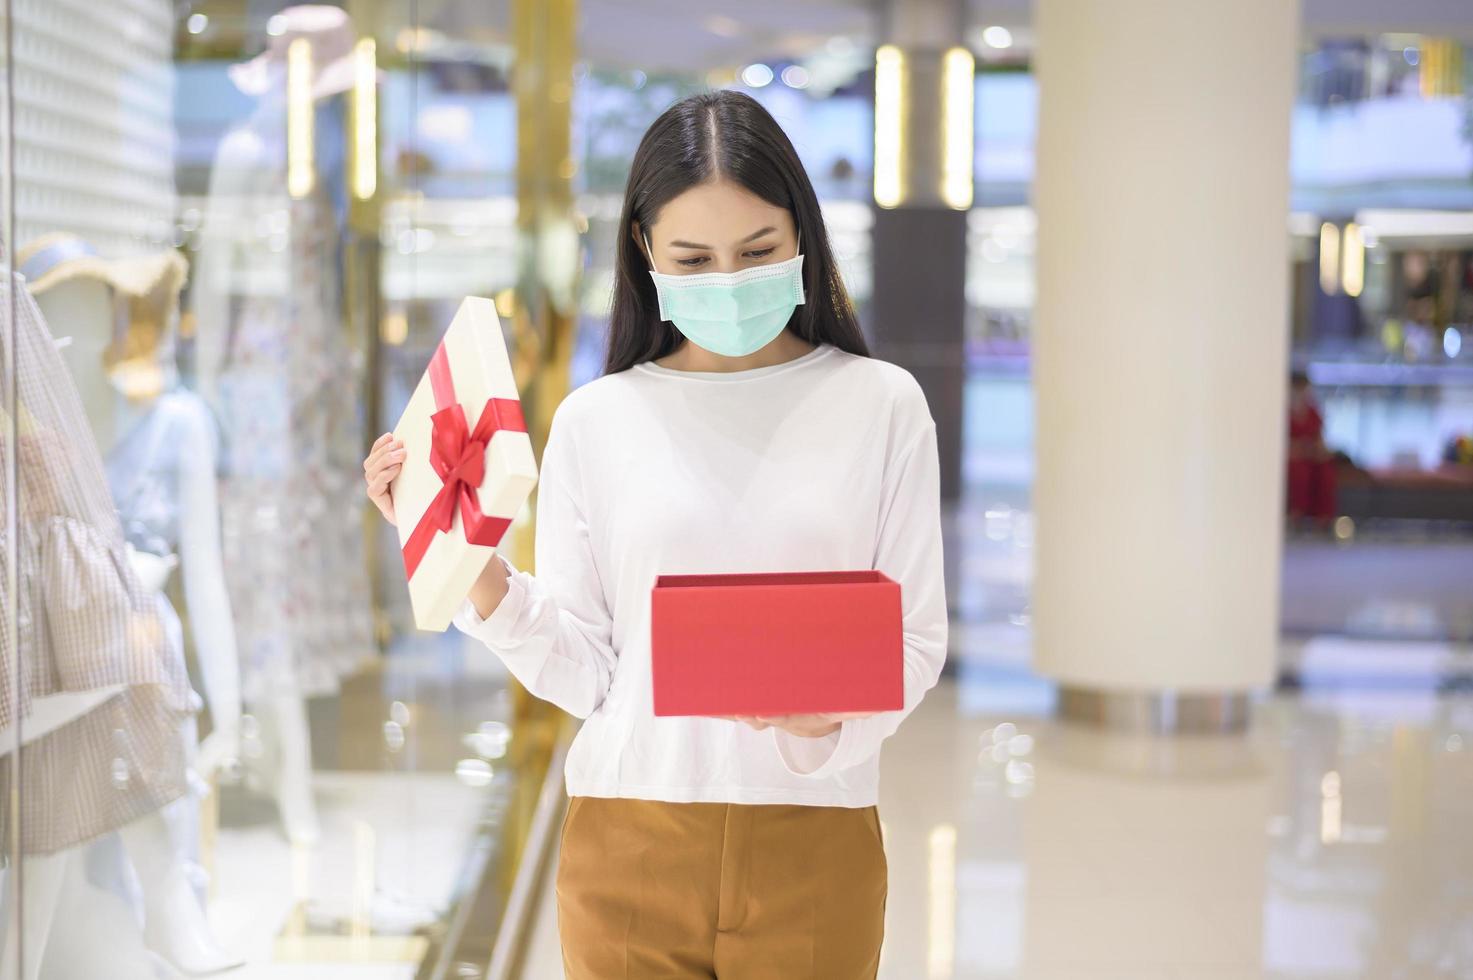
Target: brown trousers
[[648, 890]]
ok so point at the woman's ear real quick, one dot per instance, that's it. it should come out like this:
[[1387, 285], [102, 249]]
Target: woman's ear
[[636, 231]]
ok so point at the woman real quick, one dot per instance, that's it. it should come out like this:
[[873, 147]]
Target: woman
[[740, 426], [1311, 491]]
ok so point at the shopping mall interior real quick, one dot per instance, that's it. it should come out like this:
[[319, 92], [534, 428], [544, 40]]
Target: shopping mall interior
[[1188, 288]]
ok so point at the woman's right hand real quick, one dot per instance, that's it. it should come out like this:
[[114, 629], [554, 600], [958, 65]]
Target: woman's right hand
[[383, 464], [384, 461]]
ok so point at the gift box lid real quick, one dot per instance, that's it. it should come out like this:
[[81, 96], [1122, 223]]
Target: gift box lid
[[748, 579]]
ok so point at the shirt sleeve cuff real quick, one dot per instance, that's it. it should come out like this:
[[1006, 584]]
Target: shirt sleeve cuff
[[814, 758], [496, 629]]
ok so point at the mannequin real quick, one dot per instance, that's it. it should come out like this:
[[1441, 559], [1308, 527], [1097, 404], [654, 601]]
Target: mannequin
[[98, 694], [46, 876], [131, 403], [76, 930], [273, 361], [113, 948]]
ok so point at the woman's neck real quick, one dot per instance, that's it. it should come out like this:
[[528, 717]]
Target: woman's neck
[[688, 357]]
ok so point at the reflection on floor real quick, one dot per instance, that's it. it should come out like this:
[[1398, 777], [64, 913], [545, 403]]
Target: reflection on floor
[[391, 848], [1331, 842], [544, 956], [408, 765]]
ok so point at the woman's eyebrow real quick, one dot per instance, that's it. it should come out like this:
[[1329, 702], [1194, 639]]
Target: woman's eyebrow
[[754, 235]]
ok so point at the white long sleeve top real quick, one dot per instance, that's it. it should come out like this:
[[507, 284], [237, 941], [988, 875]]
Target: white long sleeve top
[[826, 461]]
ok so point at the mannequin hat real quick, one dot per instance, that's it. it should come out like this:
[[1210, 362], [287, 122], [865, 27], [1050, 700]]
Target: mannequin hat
[[331, 35], [53, 259], [150, 285]]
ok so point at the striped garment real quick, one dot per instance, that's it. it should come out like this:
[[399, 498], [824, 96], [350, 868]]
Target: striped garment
[[78, 620]]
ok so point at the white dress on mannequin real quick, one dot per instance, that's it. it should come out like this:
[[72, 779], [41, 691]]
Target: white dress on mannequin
[[162, 475], [274, 363]]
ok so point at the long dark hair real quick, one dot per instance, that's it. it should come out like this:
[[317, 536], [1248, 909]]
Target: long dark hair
[[720, 135]]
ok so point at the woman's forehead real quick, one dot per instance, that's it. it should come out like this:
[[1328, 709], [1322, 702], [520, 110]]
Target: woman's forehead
[[719, 213]]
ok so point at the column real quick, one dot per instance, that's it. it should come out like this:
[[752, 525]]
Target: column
[[1160, 353], [923, 187]]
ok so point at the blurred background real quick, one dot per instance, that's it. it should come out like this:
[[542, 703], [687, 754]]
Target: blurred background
[[1189, 288]]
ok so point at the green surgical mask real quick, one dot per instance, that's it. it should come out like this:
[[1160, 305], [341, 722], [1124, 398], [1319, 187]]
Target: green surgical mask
[[732, 313]]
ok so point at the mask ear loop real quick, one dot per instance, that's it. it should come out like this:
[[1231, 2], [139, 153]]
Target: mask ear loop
[[649, 251], [650, 256], [802, 288]]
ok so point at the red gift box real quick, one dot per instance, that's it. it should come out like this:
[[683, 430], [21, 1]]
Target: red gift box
[[776, 643]]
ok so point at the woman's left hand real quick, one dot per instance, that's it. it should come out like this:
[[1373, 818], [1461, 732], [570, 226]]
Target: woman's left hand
[[806, 726]]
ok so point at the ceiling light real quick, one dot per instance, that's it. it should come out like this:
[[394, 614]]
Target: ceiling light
[[890, 134], [795, 76], [756, 75]]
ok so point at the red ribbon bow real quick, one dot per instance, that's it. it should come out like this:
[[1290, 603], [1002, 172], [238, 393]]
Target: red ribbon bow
[[458, 457]]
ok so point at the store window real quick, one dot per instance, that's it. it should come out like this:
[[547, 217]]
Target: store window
[[233, 233]]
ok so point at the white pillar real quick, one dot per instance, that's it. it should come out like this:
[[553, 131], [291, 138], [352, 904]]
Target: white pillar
[[1160, 345]]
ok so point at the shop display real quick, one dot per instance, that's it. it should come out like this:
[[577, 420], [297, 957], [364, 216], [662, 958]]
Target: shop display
[[468, 465], [105, 703], [776, 643], [160, 470], [190, 509], [274, 361]]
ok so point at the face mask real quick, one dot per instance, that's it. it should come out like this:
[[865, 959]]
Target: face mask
[[732, 313]]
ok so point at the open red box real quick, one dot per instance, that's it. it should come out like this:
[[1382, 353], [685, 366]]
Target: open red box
[[776, 643]]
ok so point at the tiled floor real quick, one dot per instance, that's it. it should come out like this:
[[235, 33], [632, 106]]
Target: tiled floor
[[1333, 841]]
